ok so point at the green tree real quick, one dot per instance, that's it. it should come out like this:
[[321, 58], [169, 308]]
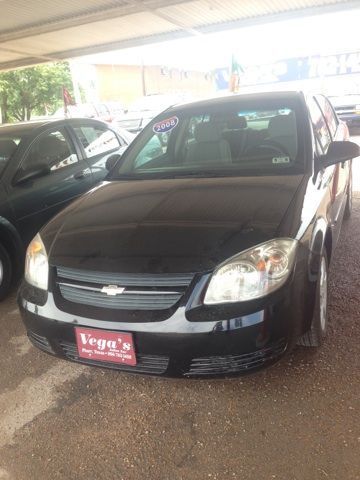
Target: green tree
[[33, 90]]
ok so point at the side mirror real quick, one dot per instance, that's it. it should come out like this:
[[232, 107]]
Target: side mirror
[[339, 152], [38, 170], [112, 161]]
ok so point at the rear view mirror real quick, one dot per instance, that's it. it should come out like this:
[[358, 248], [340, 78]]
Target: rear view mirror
[[339, 152], [111, 161], [38, 170]]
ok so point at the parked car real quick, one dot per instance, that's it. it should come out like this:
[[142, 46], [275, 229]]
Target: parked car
[[348, 109], [105, 111], [210, 258], [143, 110], [43, 166]]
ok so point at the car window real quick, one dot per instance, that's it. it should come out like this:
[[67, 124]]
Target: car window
[[8, 145], [220, 140], [328, 113], [154, 148], [51, 151], [321, 129], [96, 140], [115, 108], [102, 109]]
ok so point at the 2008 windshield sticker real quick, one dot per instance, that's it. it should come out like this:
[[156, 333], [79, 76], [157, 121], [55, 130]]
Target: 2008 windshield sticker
[[165, 125]]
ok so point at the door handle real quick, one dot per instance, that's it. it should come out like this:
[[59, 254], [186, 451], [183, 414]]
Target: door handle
[[81, 175]]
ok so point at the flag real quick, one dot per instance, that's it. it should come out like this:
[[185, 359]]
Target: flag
[[68, 100], [236, 71]]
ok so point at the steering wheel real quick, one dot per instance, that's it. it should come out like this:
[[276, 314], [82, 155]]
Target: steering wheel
[[269, 145]]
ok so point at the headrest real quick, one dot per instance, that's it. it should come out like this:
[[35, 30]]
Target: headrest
[[7, 147], [237, 123], [207, 132], [282, 125], [220, 117]]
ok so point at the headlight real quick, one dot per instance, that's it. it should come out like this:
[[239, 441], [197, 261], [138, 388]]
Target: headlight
[[36, 264], [253, 273]]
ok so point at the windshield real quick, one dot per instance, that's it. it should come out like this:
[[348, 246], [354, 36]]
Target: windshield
[[221, 140], [8, 145]]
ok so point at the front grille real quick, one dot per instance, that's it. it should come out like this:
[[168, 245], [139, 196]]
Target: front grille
[[141, 291], [125, 301], [228, 364], [151, 364], [40, 342]]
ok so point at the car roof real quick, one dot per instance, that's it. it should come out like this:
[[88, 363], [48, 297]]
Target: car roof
[[232, 98], [24, 128], [21, 127]]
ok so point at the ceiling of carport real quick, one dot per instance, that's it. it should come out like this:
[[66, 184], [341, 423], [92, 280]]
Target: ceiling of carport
[[46, 30]]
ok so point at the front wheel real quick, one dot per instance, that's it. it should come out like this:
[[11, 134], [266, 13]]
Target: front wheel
[[6, 272], [316, 335]]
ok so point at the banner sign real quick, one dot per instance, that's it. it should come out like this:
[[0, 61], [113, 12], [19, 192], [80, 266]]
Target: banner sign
[[303, 68]]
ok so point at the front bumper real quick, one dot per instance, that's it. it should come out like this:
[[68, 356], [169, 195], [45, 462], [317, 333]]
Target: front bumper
[[219, 352], [220, 341]]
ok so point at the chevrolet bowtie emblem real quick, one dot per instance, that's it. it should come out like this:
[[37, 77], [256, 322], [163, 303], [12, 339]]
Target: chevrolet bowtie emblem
[[112, 290]]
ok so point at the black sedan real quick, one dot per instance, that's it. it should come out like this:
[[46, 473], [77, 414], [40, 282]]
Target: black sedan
[[212, 256], [43, 166]]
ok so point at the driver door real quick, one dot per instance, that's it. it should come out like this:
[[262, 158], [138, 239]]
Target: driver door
[[59, 176]]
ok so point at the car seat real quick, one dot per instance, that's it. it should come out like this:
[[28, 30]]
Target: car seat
[[50, 151], [209, 145], [236, 134], [282, 131]]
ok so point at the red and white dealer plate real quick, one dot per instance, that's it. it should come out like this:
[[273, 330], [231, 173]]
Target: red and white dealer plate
[[117, 347]]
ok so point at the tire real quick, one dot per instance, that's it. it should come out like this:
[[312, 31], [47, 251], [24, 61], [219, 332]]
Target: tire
[[316, 335], [6, 273], [348, 207]]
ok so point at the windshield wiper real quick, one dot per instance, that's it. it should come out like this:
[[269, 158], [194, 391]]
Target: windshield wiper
[[203, 173], [170, 175]]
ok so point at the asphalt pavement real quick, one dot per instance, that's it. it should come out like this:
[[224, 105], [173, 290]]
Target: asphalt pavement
[[298, 420]]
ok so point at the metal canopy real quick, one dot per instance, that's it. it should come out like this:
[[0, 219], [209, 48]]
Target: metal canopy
[[37, 31]]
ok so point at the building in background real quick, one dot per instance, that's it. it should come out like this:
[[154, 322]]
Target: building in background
[[126, 83]]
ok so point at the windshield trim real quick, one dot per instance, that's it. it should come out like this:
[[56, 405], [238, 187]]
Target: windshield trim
[[298, 165]]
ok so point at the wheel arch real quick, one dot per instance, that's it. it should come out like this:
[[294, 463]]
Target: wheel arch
[[321, 238]]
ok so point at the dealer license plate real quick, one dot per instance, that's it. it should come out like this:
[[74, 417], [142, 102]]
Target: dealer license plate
[[117, 347]]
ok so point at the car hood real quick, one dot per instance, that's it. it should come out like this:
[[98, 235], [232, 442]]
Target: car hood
[[168, 225]]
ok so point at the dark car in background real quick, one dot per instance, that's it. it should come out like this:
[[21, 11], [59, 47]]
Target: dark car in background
[[43, 167], [348, 109], [209, 257]]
